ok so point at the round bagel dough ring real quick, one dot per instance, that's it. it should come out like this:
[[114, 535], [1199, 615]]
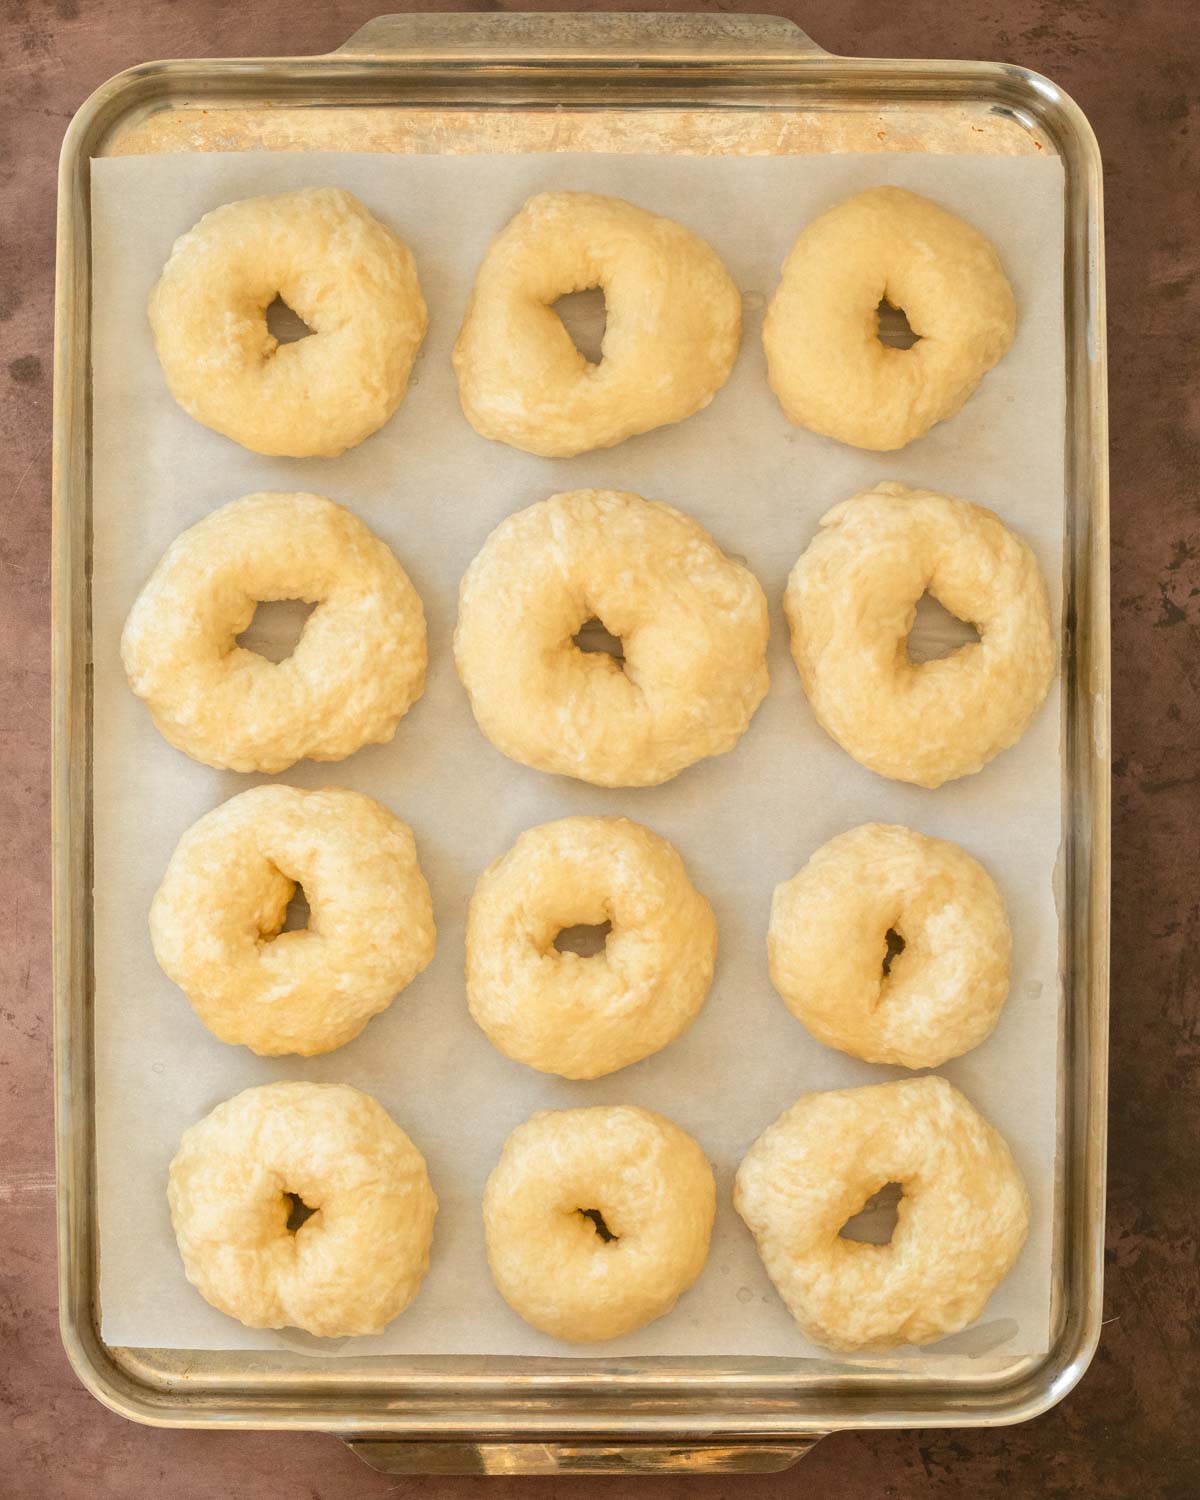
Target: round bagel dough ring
[[584, 1017], [350, 1268], [851, 600], [651, 1188], [216, 920], [828, 937], [692, 622], [960, 1225], [346, 275], [354, 673], [670, 339], [825, 361]]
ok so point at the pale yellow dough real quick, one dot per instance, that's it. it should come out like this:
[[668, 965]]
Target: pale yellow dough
[[349, 1269], [654, 1191], [216, 919], [578, 1016], [673, 324], [355, 671], [961, 1222], [828, 939], [350, 279], [851, 601], [824, 358], [692, 622]]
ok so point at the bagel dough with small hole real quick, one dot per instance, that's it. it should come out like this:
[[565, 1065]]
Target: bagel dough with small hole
[[216, 920], [584, 1017], [692, 624], [960, 1223], [642, 1177], [351, 1267], [942, 994], [348, 277], [825, 360], [355, 671], [851, 600], [673, 321]]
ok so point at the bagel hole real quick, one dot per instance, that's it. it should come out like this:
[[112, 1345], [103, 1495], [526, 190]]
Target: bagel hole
[[894, 328], [276, 628], [595, 638], [895, 947], [585, 316], [285, 325], [299, 1212], [597, 1221], [586, 940], [936, 632], [875, 1222], [297, 916]]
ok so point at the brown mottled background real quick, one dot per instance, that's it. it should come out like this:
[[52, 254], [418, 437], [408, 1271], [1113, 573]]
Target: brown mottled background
[[1131, 1428]]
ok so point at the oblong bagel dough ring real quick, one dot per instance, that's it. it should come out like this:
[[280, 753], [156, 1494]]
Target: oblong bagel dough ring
[[578, 1016], [597, 1219], [216, 919], [943, 992], [825, 360], [351, 1267], [692, 623], [960, 1224], [851, 600], [348, 277], [671, 336], [354, 673]]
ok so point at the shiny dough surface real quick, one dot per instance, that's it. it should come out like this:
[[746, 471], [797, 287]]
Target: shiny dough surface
[[671, 335], [355, 671], [349, 1269], [216, 920], [579, 1016], [851, 600], [960, 1224], [825, 360], [942, 994], [346, 275], [654, 1191], [692, 624]]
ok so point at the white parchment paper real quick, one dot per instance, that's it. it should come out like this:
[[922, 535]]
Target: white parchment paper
[[743, 822]]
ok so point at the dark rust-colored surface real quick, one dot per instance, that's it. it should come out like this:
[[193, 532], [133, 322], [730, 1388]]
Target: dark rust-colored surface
[[1130, 1428]]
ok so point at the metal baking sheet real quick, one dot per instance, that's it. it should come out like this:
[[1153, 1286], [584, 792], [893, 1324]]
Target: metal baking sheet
[[623, 84]]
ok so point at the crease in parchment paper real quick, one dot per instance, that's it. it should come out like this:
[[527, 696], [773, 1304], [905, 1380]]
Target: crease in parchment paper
[[433, 490]]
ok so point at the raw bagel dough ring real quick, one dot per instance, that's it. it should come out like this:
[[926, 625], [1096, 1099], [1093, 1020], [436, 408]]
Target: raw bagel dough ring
[[344, 273], [693, 625], [673, 324], [355, 671], [828, 937], [349, 1269], [825, 361], [851, 600], [654, 1192], [583, 1017], [959, 1227], [216, 919]]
